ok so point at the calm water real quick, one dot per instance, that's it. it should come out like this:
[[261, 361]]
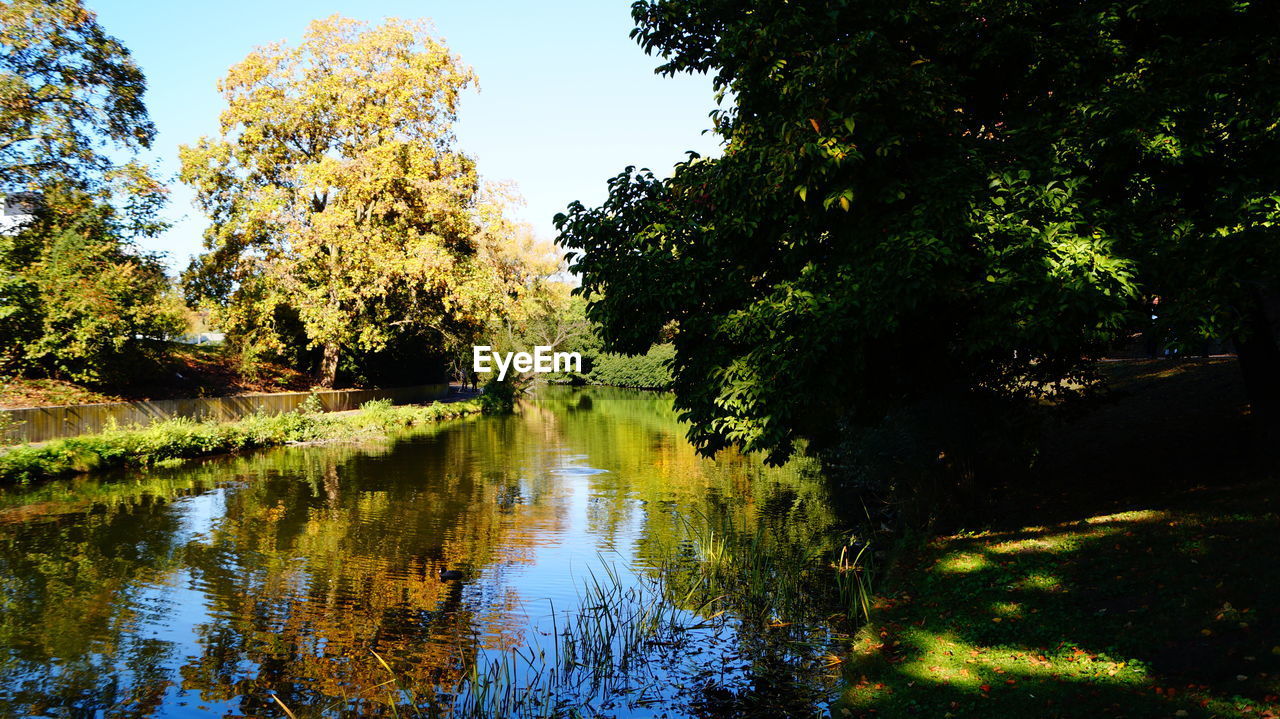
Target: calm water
[[214, 588]]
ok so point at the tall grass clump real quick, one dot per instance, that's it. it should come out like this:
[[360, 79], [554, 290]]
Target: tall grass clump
[[380, 414], [749, 572], [650, 637]]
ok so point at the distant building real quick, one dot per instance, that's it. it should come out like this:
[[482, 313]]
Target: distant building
[[19, 208]]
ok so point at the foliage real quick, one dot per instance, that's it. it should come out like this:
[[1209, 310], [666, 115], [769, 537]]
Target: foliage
[[67, 91], [8, 429], [935, 196], [183, 438], [78, 301], [550, 315], [498, 397], [313, 405], [343, 218], [651, 370], [561, 322], [546, 313]]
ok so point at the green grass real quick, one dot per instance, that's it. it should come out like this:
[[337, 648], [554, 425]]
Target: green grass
[[1134, 575], [1137, 614], [178, 439]]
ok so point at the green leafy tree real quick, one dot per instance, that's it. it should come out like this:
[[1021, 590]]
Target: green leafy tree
[[338, 200], [857, 245], [20, 304], [544, 311], [68, 93], [77, 299]]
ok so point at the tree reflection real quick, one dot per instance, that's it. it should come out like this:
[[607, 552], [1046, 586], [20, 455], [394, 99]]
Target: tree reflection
[[283, 571]]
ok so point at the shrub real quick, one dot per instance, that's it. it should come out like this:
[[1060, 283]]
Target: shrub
[[311, 405], [651, 370], [498, 398], [380, 413]]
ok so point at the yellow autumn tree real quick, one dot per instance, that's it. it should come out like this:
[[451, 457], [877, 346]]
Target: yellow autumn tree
[[340, 206]]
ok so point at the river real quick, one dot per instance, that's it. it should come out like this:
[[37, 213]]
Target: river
[[576, 557]]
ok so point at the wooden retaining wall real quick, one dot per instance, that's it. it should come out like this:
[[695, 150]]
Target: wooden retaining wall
[[39, 424]]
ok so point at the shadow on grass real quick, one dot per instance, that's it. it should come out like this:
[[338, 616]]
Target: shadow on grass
[[1142, 614], [1158, 596]]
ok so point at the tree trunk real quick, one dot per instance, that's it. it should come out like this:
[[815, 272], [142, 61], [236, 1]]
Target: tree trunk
[[331, 485], [328, 373], [1260, 361]]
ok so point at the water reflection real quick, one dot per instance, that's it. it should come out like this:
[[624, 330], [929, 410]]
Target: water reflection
[[202, 590]]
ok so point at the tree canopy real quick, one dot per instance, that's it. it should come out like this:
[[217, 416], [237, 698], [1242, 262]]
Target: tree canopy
[[77, 298], [933, 196], [80, 302], [71, 98], [338, 200]]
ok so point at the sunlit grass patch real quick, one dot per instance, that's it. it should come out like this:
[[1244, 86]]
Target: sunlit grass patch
[[1038, 582], [1148, 613], [1007, 610], [1055, 541], [962, 562], [1137, 516], [942, 658], [865, 693]]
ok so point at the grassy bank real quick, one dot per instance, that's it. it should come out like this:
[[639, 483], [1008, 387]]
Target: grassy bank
[[177, 439], [1150, 613], [1134, 577]]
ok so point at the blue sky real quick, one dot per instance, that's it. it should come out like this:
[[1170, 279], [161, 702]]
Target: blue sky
[[566, 98]]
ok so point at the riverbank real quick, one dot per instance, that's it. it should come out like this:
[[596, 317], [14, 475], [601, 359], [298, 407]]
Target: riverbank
[[178, 439], [1134, 578], [189, 371]]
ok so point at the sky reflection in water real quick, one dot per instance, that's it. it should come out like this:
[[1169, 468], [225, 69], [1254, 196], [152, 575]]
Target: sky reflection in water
[[202, 589]]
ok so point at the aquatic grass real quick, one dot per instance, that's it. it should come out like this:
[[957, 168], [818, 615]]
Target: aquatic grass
[[629, 640], [611, 650], [178, 439], [853, 581], [761, 577]]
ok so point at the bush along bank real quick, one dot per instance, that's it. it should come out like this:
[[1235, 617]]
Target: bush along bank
[[651, 370], [177, 439], [498, 398]]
